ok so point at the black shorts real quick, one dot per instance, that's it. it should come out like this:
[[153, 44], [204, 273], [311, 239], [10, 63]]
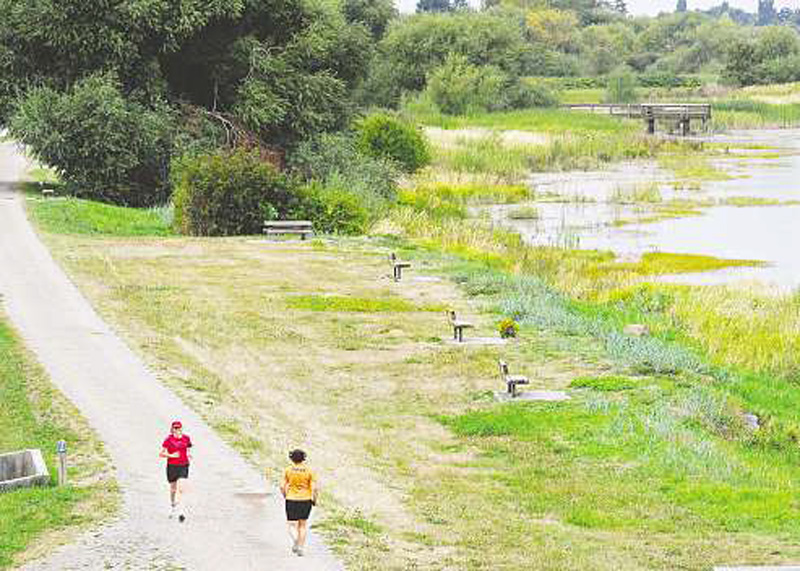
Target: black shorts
[[175, 472], [296, 510]]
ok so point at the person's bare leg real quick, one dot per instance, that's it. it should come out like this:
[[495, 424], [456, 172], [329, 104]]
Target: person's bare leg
[[173, 492], [302, 532], [180, 491], [293, 534]]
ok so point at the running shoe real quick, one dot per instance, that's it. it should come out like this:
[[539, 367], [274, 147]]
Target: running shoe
[[182, 518]]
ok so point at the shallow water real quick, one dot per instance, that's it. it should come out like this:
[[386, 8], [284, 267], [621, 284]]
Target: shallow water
[[588, 215]]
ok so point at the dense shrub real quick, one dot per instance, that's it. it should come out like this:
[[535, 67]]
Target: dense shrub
[[227, 194], [459, 88], [104, 146], [334, 160], [386, 137], [332, 209]]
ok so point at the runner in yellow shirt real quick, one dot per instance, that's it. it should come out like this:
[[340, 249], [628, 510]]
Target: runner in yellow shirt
[[300, 488]]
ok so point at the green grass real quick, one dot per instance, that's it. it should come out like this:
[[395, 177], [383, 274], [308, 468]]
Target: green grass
[[356, 304], [679, 458], [79, 216], [28, 420], [612, 383]]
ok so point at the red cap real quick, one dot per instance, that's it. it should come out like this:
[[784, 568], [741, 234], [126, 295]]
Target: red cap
[[177, 424]]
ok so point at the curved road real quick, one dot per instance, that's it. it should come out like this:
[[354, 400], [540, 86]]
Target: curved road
[[231, 526]]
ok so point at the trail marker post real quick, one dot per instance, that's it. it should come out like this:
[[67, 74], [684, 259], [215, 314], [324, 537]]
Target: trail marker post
[[61, 454]]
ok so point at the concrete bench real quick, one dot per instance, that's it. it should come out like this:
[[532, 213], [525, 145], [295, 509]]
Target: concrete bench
[[302, 227], [23, 469], [458, 326], [511, 381], [397, 267]]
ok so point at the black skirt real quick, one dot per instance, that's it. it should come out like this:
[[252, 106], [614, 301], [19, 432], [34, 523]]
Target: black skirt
[[298, 510]]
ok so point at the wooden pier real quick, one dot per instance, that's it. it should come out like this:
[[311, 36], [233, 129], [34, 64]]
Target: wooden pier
[[681, 113]]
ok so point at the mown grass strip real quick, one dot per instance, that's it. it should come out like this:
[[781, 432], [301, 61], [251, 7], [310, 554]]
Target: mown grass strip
[[79, 216], [356, 304]]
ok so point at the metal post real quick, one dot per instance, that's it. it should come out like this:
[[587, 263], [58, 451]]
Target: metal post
[[61, 453]]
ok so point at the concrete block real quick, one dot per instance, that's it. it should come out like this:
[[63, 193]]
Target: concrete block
[[23, 469]]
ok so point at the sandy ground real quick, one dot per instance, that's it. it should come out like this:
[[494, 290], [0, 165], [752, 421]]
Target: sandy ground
[[234, 521]]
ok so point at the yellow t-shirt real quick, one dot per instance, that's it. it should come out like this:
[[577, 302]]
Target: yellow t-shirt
[[300, 482]]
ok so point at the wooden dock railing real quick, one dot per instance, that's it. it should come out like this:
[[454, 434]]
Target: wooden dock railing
[[682, 113]]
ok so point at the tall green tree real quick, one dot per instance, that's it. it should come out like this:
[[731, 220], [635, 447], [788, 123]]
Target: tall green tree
[[767, 15], [280, 69]]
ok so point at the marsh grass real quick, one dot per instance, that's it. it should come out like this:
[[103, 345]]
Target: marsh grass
[[743, 113], [451, 200], [33, 415], [648, 193], [545, 120], [694, 168], [513, 162], [659, 263], [524, 213]]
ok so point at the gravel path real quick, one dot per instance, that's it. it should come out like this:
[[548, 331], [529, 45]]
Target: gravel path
[[233, 523]]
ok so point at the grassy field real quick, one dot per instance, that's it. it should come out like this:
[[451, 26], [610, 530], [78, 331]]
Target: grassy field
[[649, 466], [34, 415]]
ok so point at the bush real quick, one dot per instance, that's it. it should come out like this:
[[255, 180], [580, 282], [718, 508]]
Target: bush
[[334, 160], [385, 137], [460, 88], [103, 146], [332, 209], [226, 194]]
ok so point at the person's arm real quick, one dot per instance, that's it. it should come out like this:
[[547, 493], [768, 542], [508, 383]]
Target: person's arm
[[165, 454], [189, 451], [285, 484]]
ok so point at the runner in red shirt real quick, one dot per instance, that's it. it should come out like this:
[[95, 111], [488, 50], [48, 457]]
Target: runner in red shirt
[[176, 449]]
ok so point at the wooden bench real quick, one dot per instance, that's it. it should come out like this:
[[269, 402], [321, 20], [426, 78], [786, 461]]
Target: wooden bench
[[302, 227], [511, 381], [458, 326], [397, 267], [46, 189]]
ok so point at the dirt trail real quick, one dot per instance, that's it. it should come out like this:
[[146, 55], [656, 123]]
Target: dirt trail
[[232, 526]]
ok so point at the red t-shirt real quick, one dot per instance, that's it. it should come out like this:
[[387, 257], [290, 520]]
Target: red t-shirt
[[181, 446]]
